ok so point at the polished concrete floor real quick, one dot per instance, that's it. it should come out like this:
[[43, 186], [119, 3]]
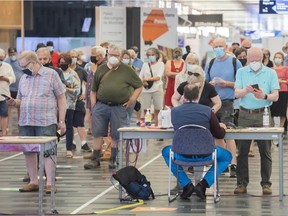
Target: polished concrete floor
[[83, 192]]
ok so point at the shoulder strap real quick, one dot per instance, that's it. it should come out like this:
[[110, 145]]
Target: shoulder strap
[[210, 66], [105, 75], [150, 69], [234, 66]]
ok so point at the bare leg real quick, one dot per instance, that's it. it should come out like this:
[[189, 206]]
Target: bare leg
[[4, 125], [156, 112], [220, 142], [231, 146], [31, 165], [82, 134], [49, 164]]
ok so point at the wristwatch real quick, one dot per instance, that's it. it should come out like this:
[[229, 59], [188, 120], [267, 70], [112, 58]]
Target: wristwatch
[[61, 122], [265, 97]]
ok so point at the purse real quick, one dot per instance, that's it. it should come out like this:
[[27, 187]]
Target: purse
[[150, 83], [137, 106]]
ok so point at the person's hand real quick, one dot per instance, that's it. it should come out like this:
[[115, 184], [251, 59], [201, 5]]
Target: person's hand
[[129, 103], [11, 102], [258, 93], [223, 125], [62, 127], [82, 97], [249, 89], [222, 83], [4, 78], [212, 82]]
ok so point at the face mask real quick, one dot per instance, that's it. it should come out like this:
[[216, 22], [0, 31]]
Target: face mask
[[126, 61], [190, 67], [93, 59], [243, 61], [177, 56], [64, 66], [13, 58], [50, 48], [278, 61], [83, 58], [219, 52], [47, 64], [74, 61], [132, 61], [152, 58], [27, 71], [255, 65], [113, 60]]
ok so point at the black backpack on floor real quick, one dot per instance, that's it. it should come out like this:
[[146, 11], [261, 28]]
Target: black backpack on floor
[[136, 185]]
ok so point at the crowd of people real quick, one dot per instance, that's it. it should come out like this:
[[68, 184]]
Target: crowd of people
[[105, 90]]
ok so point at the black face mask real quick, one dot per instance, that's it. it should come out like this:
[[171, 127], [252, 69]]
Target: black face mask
[[47, 64], [93, 59], [243, 61], [64, 66], [27, 71]]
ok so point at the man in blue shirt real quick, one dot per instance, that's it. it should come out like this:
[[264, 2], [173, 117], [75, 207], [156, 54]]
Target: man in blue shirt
[[137, 62], [253, 100], [222, 75]]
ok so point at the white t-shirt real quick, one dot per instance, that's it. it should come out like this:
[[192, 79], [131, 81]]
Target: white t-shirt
[[157, 71], [7, 71]]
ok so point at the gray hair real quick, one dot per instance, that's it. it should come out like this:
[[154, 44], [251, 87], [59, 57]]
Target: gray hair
[[28, 55], [43, 49], [114, 47], [2, 52], [101, 51], [193, 56]]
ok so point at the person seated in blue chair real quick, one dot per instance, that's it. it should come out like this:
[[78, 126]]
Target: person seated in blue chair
[[190, 112]]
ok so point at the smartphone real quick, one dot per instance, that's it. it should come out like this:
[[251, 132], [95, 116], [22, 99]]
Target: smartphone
[[255, 86], [5, 96]]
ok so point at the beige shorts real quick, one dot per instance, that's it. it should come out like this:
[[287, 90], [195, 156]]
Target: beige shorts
[[155, 98]]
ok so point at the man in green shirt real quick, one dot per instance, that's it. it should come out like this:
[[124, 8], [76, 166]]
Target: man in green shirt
[[110, 97]]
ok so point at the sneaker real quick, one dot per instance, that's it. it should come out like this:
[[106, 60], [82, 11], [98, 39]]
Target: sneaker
[[251, 154], [226, 170], [92, 165], [187, 191], [138, 124], [240, 189], [86, 148], [200, 191], [74, 147], [233, 171], [49, 189], [266, 190], [191, 169], [29, 188]]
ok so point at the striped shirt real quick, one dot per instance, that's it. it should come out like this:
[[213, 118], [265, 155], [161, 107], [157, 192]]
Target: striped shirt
[[38, 95]]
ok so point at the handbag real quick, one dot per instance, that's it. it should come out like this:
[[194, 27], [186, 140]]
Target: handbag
[[150, 83], [137, 106]]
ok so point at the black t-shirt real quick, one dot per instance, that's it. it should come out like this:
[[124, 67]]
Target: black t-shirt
[[207, 93]]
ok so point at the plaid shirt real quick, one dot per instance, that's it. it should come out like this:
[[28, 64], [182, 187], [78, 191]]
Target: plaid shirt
[[38, 95]]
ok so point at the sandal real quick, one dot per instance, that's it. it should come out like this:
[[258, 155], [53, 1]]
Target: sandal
[[69, 154]]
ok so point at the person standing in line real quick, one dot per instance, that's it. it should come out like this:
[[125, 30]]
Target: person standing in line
[[221, 73], [7, 77], [266, 58], [253, 100], [173, 67], [80, 111], [188, 50], [279, 108], [72, 92], [110, 98], [41, 95], [152, 70]]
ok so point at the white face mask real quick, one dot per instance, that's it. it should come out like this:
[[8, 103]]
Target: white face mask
[[190, 67], [255, 65], [74, 61], [113, 60]]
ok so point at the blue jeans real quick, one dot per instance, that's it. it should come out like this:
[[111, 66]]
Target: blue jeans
[[224, 157]]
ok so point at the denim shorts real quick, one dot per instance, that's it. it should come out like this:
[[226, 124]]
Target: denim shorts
[[104, 115], [3, 109]]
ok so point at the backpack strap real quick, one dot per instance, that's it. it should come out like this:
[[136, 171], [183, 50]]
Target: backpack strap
[[212, 62]]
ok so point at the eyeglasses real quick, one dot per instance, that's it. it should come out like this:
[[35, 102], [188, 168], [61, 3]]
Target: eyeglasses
[[25, 65], [191, 73]]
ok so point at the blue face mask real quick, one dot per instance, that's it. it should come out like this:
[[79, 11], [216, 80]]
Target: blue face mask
[[13, 58], [219, 52], [152, 58], [126, 61]]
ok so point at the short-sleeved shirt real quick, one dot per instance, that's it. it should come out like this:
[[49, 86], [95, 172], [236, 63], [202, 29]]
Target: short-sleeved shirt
[[17, 72], [116, 86], [38, 95], [225, 70], [267, 80], [207, 93]]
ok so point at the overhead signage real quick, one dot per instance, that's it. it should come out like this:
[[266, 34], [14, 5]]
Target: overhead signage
[[204, 20], [273, 7]]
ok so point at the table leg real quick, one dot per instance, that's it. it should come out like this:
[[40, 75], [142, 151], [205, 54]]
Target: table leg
[[120, 160], [53, 181], [280, 152], [41, 174]]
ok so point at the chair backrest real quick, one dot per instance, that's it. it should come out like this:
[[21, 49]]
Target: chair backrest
[[193, 140]]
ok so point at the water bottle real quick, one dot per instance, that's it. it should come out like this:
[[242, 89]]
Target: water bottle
[[266, 117], [148, 118]]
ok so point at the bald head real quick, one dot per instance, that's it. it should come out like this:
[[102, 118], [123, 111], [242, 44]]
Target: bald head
[[219, 42], [43, 55], [254, 54], [246, 44]]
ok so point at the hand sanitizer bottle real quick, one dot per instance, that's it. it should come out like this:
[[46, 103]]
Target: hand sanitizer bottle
[[266, 117], [148, 118]]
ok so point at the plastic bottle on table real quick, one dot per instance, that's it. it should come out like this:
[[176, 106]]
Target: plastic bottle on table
[[148, 118], [266, 117]]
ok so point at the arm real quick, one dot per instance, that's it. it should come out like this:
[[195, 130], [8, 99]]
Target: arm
[[61, 101], [217, 130], [216, 103], [133, 97], [10, 78], [176, 98], [93, 98], [168, 71]]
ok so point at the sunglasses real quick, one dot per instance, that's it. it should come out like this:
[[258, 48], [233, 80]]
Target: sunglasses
[[191, 73]]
